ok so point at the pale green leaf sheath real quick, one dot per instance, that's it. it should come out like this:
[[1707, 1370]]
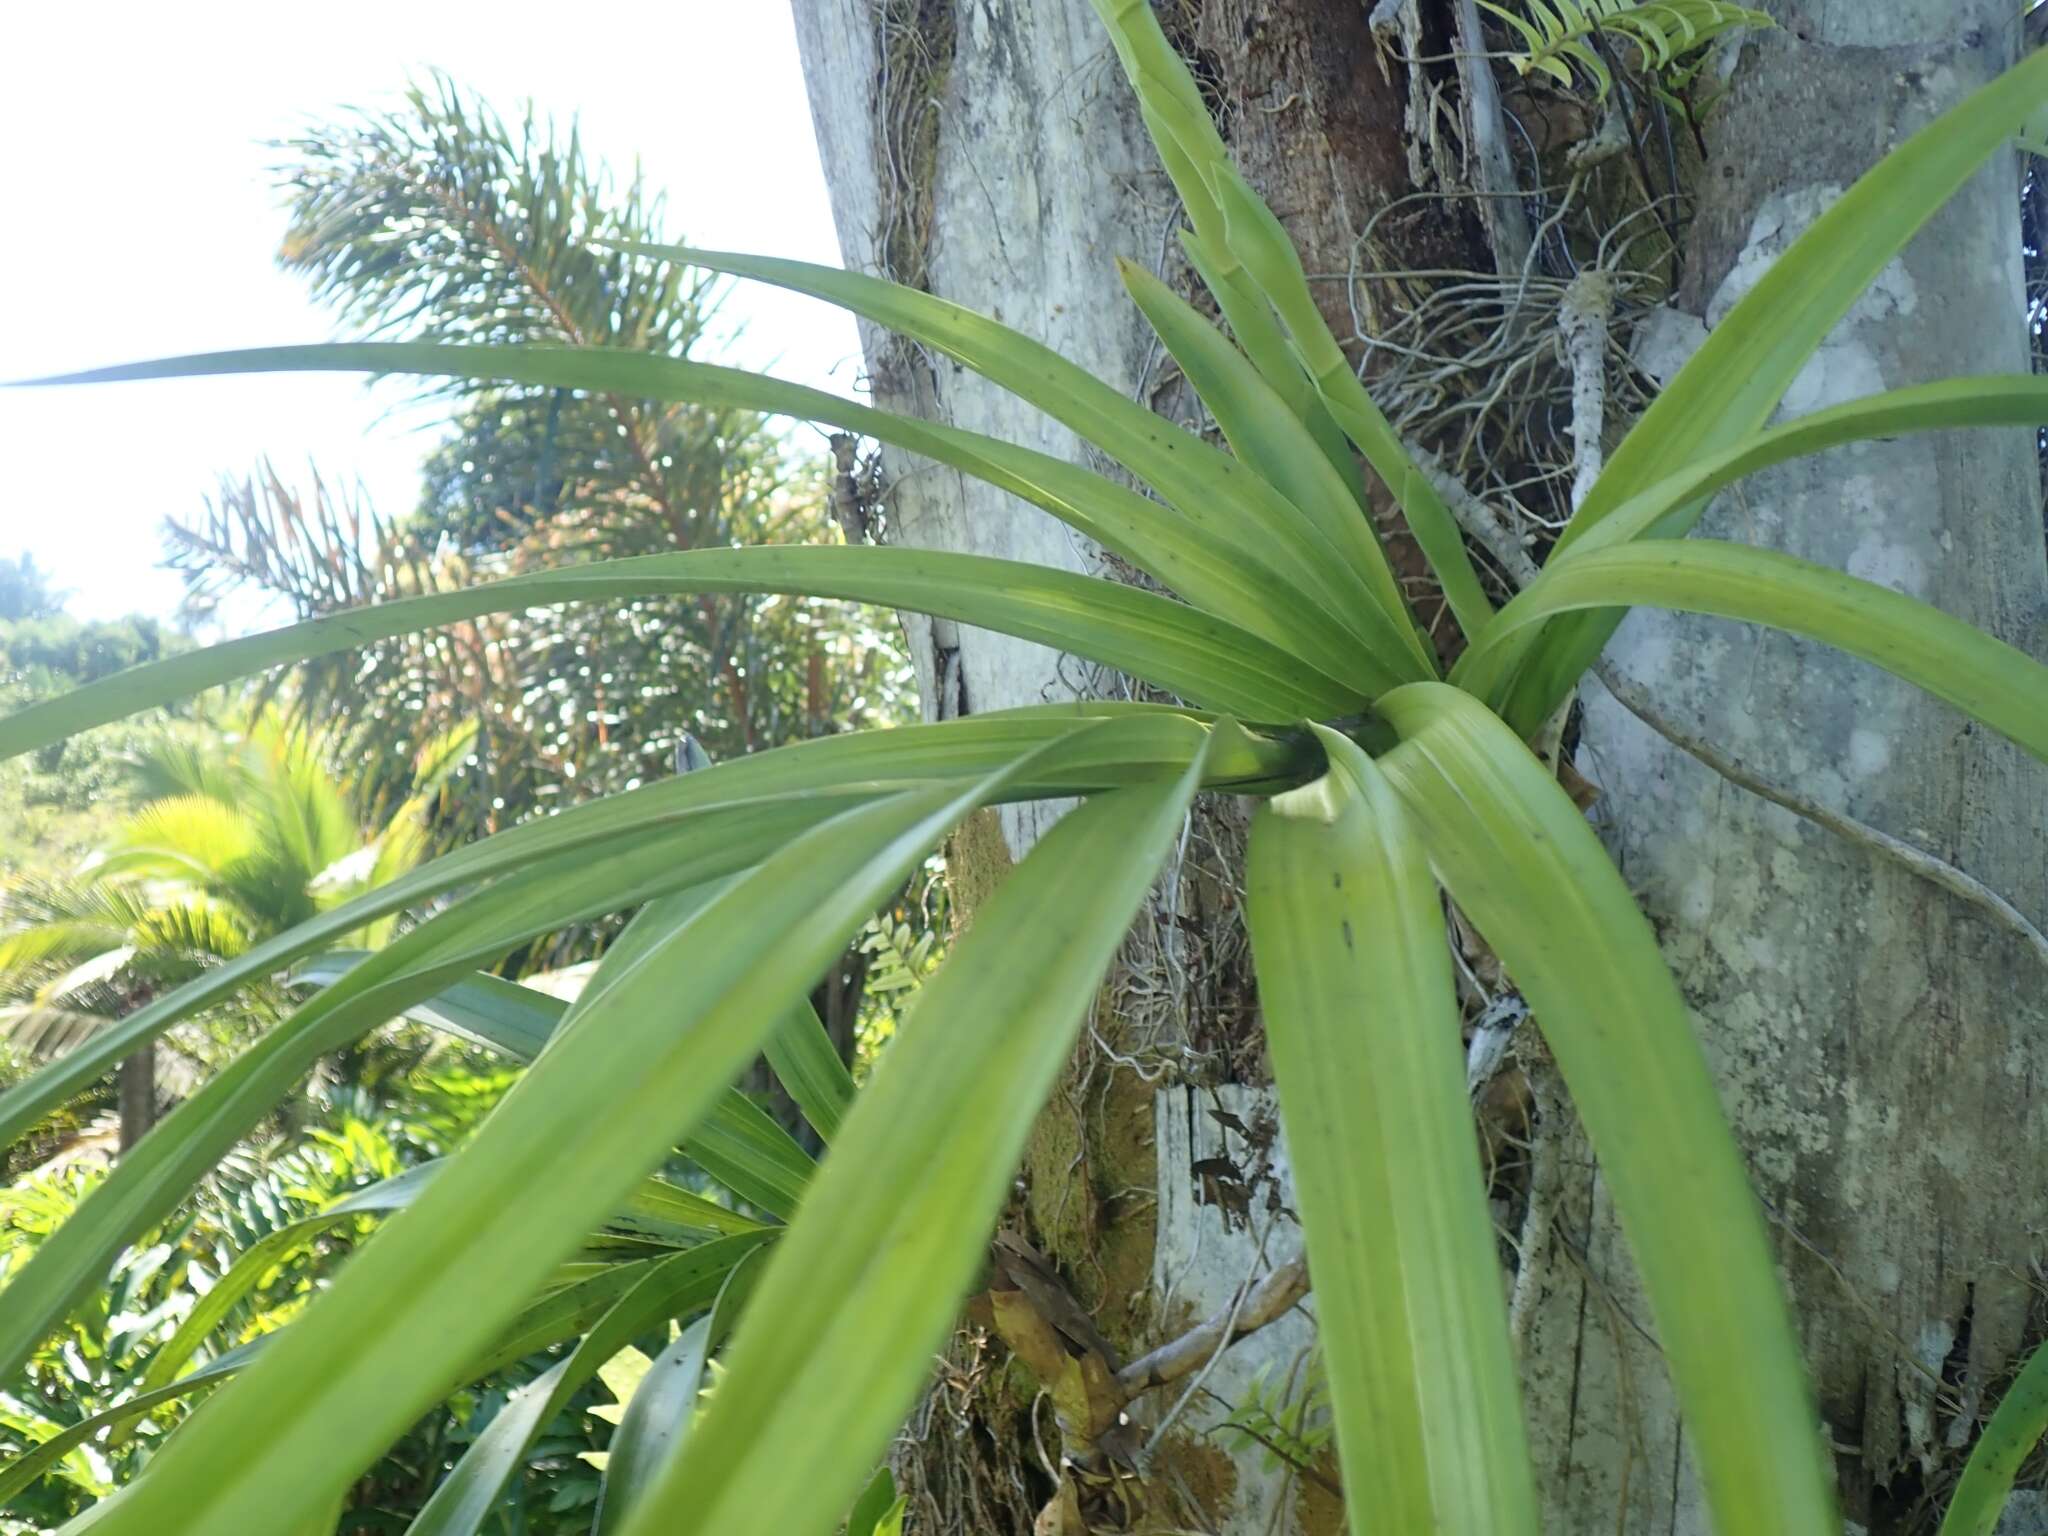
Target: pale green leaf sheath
[[1526, 868], [1362, 1021]]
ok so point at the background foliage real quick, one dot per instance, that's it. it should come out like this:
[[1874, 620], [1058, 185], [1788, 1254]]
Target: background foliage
[[147, 852], [441, 221]]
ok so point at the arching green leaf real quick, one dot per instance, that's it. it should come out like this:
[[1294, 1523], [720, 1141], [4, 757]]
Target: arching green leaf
[[1362, 1021], [1985, 678], [1729, 388], [676, 1287], [1670, 507], [642, 1055], [2015, 1429], [866, 1281], [1203, 658], [1525, 867], [1204, 484], [813, 778]]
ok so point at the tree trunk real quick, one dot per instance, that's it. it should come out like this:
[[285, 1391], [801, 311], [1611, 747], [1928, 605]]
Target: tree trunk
[[135, 1083], [1872, 1032], [1867, 1026]]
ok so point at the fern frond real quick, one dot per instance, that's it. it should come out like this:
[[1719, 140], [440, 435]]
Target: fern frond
[[1560, 34]]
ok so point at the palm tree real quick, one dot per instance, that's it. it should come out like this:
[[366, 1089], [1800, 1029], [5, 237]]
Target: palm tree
[[242, 833], [439, 218]]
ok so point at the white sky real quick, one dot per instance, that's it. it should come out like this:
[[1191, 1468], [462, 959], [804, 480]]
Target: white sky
[[141, 222]]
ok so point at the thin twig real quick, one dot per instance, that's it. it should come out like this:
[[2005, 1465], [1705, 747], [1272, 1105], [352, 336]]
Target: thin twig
[[1636, 700], [1250, 1311], [1475, 517]]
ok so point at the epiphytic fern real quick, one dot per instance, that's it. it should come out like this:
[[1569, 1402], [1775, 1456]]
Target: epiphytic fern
[[1561, 33]]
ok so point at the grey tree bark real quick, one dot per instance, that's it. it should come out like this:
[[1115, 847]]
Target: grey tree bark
[[990, 153], [1871, 1032], [1874, 1035]]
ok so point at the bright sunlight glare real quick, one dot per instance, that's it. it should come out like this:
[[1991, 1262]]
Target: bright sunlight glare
[[143, 222]]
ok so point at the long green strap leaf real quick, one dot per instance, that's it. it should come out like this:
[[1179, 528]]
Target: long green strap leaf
[[676, 1217], [1184, 120], [1186, 140], [1260, 249], [558, 1317], [147, 1183], [2006, 1442], [1225, 576], [805, 1062], [483, 1009], [739, 1145], [811, 775], [867, 1280], [1985, 678], [642, 1056], [1670, 508], [21, 1473], [1204, 659], [250, 1267], [1258, 333], [437, 1287], [1728, 388], [1261, 244], [255, 1261], [1204, 484], [1362, 1021], [663, 1407], [538, 1328], [654, 1425], [676, 1287], [578, 1297], [1230, 217], [1525, 867], [1265, 434], [1673, 504], [808, 1066]]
